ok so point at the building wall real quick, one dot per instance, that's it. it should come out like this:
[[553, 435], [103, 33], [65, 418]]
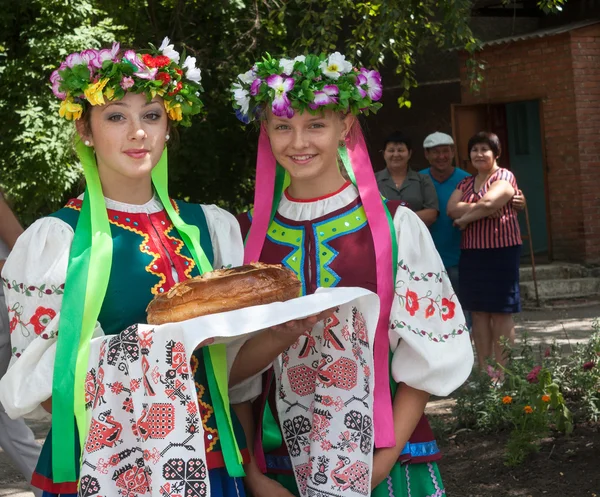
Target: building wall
[[543, 69], [585, 50]]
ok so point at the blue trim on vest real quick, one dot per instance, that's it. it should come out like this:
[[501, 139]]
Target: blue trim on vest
[[421, 449]]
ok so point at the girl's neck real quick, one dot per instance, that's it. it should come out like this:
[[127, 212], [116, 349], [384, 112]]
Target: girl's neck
[[135, 192], [320, 186]]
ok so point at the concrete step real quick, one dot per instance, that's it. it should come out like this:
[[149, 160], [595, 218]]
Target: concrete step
[[561, 288], [554, 271]]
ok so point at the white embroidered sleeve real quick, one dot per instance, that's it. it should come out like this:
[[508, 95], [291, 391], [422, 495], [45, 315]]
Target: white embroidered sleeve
[[429, 339], [33, 279], [229, 252]]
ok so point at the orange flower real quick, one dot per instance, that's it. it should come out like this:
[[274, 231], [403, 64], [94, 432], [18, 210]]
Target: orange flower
[[507, 400], [527, 409], [545, 398], [412, 302]]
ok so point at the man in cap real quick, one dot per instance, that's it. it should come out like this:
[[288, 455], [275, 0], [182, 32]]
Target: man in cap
[[439, 152]]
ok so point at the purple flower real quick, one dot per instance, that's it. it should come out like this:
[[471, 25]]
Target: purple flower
[[127, 82], [325, 97], [255, 87], [372, 81], [282, 106], [73, 60], [532, 377], [56, 80], [141, 71]]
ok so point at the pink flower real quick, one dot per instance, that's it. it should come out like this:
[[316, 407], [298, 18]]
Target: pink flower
[[141, 71], [56, 80], [73, 60], [547, 352], [325, 97], [532, 377], [255, 87], [89, 57], [588, 365], [372, 81], [127, 82], [492, 373], [106, 54], [282, 106]]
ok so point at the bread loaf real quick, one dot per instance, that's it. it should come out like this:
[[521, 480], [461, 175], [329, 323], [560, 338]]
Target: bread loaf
[[224, 290]]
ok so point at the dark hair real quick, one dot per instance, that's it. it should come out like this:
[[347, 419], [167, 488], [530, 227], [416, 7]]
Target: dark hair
[[490, 139], [398, 137]]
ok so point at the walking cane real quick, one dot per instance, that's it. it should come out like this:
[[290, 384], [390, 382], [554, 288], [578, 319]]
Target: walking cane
[[537, 296]]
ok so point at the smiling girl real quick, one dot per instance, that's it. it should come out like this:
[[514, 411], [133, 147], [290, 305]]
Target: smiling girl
[[92, 268], [333, 232]]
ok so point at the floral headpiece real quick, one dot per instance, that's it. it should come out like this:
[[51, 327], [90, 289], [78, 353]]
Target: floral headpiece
[[93, 77], [310, 82]]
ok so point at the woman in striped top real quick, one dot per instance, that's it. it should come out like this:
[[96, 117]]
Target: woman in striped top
[[491, 247]]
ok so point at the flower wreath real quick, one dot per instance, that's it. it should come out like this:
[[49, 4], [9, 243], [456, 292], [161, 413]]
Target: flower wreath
[[310, 82], [93, 77]]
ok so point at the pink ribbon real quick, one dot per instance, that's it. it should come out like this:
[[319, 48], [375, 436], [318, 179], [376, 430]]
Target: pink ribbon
[[383, 418], [266, 166]]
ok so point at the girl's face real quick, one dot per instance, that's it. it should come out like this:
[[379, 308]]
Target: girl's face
[[306, 145], [396, 156], [128, 136], [482, 157]]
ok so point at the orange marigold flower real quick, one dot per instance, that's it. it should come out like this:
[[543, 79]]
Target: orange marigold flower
[[527, 409], [507, 400], [545, 398]]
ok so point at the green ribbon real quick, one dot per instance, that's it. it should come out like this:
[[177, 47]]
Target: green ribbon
[[215, 357], [88, 272]]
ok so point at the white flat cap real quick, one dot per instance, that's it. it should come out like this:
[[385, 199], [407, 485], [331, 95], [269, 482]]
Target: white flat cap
[[436, 139]]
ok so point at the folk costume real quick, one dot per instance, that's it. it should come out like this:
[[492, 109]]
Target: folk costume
[[350, 238], [91, 269]]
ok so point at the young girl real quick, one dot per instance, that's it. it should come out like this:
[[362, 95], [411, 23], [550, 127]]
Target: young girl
[[93, 267], [334, 232]]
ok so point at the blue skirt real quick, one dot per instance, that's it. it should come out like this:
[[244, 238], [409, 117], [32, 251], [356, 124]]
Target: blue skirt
[[489, 279]]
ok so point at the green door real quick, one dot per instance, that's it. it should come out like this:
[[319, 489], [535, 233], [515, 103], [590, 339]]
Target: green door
[[527, 164]]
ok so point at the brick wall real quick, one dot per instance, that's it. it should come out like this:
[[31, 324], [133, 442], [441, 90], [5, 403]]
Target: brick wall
[[561, 71], [585, 50]]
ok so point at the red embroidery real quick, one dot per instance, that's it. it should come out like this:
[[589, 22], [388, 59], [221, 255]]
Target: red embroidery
[[449, 307], [40, 319], [412, 302]]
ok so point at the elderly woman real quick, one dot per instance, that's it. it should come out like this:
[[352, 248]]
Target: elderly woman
[[399, 182], [482, 208]]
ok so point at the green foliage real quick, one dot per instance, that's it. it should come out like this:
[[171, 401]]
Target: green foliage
[[535, 392], [215, 160], [35, 143]]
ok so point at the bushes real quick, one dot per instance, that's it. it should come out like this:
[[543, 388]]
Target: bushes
[[536, 392]]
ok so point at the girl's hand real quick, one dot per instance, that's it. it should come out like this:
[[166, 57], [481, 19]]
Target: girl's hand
[[288, 333], [260, 485]]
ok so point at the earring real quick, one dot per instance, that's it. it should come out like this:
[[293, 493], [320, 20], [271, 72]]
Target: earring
[[87, 143], [167, 136], [342, 143]]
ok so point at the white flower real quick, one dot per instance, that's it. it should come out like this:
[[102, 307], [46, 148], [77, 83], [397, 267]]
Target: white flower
[[247, 77], [192, 72], [242, 97], [167, 50], [287, 65], [335, 66]]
